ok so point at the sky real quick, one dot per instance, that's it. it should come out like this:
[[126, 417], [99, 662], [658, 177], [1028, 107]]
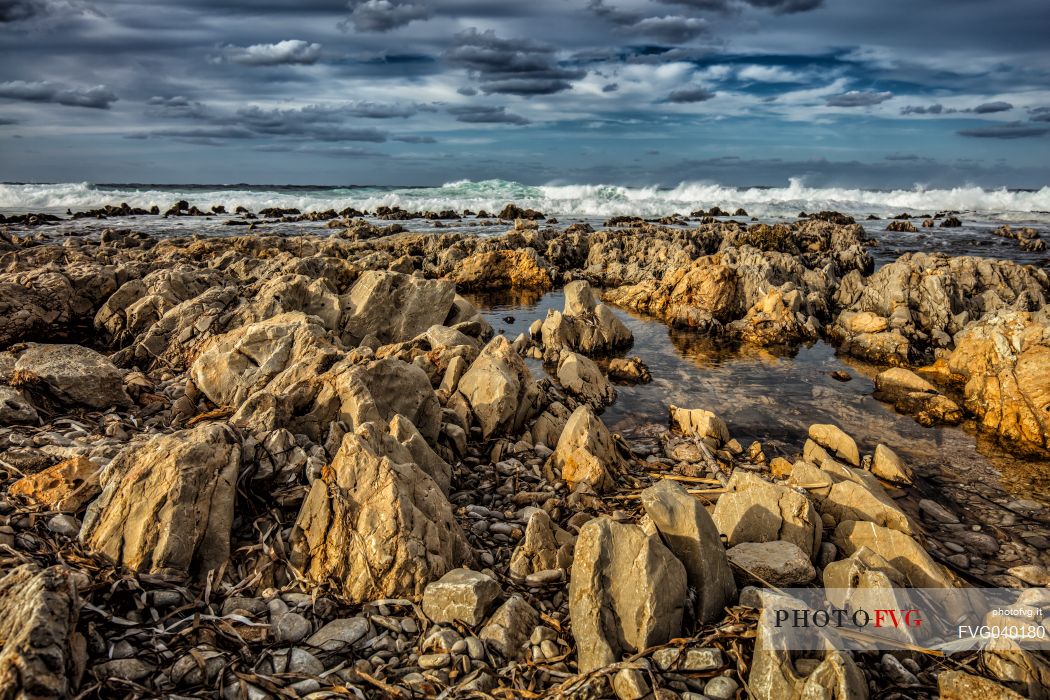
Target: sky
[[851, 93]]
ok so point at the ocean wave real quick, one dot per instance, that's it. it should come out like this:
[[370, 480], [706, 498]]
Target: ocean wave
[[557, 199]]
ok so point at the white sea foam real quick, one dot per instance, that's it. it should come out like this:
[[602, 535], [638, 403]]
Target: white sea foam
[[560, 200]]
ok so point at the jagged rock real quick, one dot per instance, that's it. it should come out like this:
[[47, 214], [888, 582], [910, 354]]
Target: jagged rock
[[395, 307], [702, 423], [1002, 360], [38, 614], [887, 465], [499, 389], [583, 326], [863, 571], [15, 408], [1016, 666], [544, 547], [502, 269], [139, 303], [690, 533], [901, 551], [856, 495], [929, 297], [374, 511], [915, 396], [550, 424], [403, 430], [629, 370], [774, 675], [775, 319], [834, 439], [167, 506], [689, 660], [507, 631], [67, 486], [461, 595], [71, 374], [776, 563], [582, 378], [586, 452], [627, 592], [754, 510]]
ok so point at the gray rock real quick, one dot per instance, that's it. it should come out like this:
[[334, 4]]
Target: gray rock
[[460, 595], [755, 510], [689, 660], [37, 617], [71, 375], [777, 563], [290, 627], [627, 592], [690, 533], [339, 634], [508, 630], [15, 408]]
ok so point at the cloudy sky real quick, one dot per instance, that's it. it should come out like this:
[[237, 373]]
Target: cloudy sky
[[743, 92]]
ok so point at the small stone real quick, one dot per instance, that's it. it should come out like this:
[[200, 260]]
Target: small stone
[[64, 524], [434, 660], [935, 511], [630, 684], [689, 660], [777, 563], [290, 627], [721, 688], [897, 673], [545, 577], [303, 662], [460, 595], [507, 630], [1032, 574], [887, 465], [836, 441], [339, 634], [124, 669]]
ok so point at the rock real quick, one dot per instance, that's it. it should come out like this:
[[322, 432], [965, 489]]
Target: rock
[[754, 510], [507, 631], [959, 685], [290, 627], [1032, 574], [181, 483], [836, 441], [721, 688], [774, 675], [937, 512], [544, 547], [689, 660], [582, 378], [1017, 667], [775, 319], [775, 563], [375, 510], [888, 466], [339, 634], [67, 486], [902, 552], [64, 524], [124, 669], [499, 389], [859, 496], [586, 452], [627, 592], [15, 408], [502, 269], [915, 396], [630, 370], [71, 375], [1002, 361], [37, 617], [692, 536], [461, 595], [583, 326], [897, 673], [630, 684], [700, 422], [395, 307]]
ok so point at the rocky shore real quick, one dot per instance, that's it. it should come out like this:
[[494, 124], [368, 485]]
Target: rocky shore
[[270, 466]]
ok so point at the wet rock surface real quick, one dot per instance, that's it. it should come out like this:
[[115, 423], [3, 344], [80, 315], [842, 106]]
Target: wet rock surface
[[302, 466]]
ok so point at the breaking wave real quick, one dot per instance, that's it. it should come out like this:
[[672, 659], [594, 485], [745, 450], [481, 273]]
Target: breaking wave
[[560, 200]]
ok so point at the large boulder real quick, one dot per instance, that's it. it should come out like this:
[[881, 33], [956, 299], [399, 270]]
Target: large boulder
[[586, 452], [499, 389], [775, 319], [1002, 361], [584, 325], [582, 378], [502, 269], [901, 551], [67, 486], [544, 547], [690, 533], [909, 393], [71, 375], [755, 510], [627, 592], [375, 525], [168, 505], [395, 307], [38, 615]]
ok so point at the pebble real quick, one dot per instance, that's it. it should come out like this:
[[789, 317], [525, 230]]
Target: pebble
[[435, 660], [545, 577], [721, 688], [897, 673], [64, 524], [290, 627], [935, 511]]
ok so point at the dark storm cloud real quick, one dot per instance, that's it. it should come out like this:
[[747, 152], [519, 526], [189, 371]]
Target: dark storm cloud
[[1013, 130], [467, 91], [486, 115], [287, 52], [6, 121], [1040, 114], [610, 87], [920, 109], [177, 106], [992, 107], [384, 15], [323, 123], [672, 29], [777, 6], [12, 11], [97, 97], [415, 139], [689, 95], [858, 98], [511, 66]]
